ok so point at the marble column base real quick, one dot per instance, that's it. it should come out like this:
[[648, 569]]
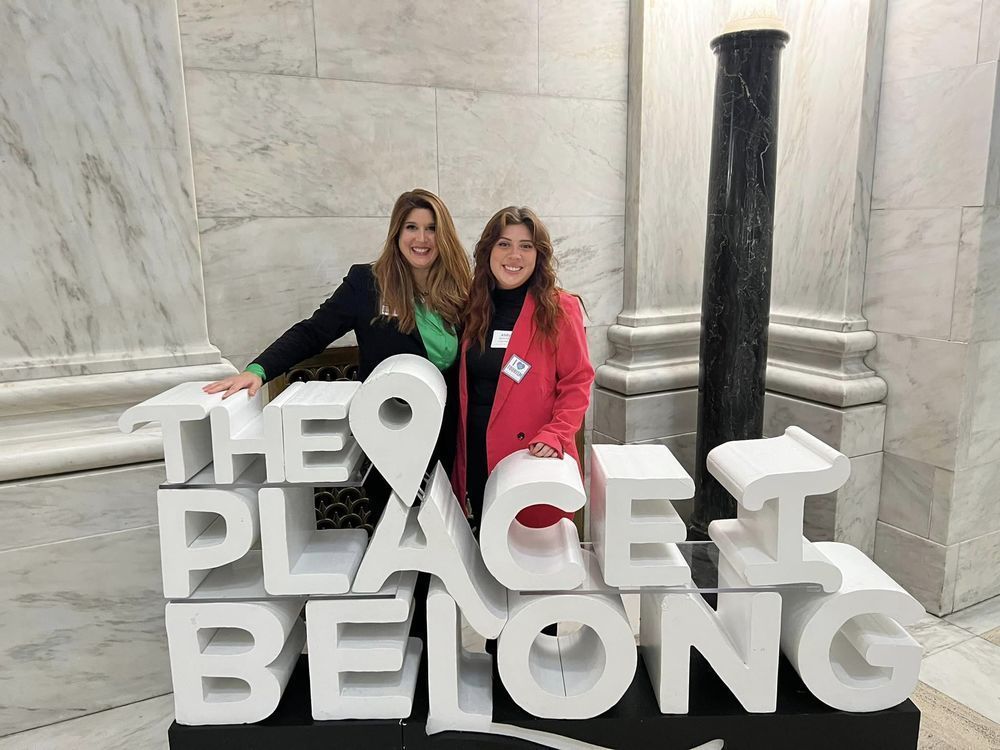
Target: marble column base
[[66, 424], [651, 358], [81, 618]]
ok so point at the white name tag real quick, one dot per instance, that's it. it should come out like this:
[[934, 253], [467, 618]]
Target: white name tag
[[501, 339], [516, 368]]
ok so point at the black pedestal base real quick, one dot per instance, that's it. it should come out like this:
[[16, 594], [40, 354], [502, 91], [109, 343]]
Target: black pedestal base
[[801, 721]]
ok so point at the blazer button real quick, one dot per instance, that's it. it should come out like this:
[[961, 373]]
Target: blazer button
[[520, 436]]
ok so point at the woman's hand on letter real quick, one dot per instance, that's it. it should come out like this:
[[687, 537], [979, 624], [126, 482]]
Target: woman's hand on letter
[[235, 384], [542, 450]]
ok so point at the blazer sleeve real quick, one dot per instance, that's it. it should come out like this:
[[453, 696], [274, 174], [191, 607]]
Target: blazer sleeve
[[574, 376], [307, 338]]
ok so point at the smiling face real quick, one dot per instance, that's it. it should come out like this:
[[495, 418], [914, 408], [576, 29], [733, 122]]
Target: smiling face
[[512, 259], [416, 240]]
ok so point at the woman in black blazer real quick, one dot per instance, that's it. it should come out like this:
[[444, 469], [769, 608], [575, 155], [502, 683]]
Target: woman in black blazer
[[409, 301]]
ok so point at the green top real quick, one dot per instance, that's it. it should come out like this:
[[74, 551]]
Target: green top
[[256, 370], [440, 342]]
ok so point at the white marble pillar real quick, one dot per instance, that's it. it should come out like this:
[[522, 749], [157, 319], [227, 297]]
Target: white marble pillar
[[816, 377], [102, 306]]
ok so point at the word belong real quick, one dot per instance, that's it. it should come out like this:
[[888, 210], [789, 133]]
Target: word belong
[[242, 559]]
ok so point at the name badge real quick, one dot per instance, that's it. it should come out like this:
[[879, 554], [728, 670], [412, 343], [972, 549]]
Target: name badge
[[516, 368], [501, 339]]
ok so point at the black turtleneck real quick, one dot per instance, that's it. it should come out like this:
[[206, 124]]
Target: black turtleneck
[[483, 372]]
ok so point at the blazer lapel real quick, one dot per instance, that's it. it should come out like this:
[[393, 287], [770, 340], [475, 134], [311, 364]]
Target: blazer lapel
[[520, 341]]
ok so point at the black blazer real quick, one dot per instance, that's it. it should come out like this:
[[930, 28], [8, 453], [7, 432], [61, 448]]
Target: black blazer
[[356, 306]]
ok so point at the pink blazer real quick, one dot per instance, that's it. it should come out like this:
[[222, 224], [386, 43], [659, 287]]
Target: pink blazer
[[547, 406]]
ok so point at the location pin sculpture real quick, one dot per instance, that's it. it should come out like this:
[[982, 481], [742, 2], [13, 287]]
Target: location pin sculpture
[[396, 416]]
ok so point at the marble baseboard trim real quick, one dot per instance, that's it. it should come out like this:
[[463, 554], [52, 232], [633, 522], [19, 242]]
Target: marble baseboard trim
[[651, 358], [978, 563], [82, 365], [70, 424], [824, 366], [838, 325]]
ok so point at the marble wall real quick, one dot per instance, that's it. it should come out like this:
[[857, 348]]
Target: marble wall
[[309, 117], [931, 294]]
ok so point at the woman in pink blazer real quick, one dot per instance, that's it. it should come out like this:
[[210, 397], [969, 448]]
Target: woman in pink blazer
[[524, 370]]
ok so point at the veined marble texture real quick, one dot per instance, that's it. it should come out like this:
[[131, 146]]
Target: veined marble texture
[[583, 48], [910, 278], [979, 441], [854, 431], [261, 36], [977, 281], [101, 259], [912, 493], [925, 36], [989, 32], [563, 157], [935, 157], [588, 255], [849, 514], [826, 126], [926, 380], [971, 508], [284, 146], [65, 507], [262, 275], [669, 143], [978, 563], [922, 567], [481, 44], [81, 623]]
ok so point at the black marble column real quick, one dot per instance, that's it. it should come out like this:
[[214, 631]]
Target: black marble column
[[736, 295]]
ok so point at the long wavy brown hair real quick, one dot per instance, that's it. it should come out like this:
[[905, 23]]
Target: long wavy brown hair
[[542, 284], [449, 277]]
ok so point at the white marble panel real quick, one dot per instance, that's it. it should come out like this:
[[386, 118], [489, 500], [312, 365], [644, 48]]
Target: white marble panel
[[927, 36], [75, 505], [974, 507], [260, 36], [980, 618], [81, 623], [563, 157], [934, 158], [908, 494], [829, 91], [980, 434], [590, 257], [853, 431], [934, 634], [910, 276], [926, 382], [857, 503], [285, 146], [137, 726], [989, 32], [263, 275], [600, 350], [969, 673], [475, 44], [100, 248], [922, 567], [978, 563], [583, 48], [967, 273]]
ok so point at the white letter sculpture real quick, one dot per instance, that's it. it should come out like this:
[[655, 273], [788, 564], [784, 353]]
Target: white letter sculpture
[[436, 539], [362, 662], [849, 647], [574, 676], [397, 416], [238, 435], [459, 683], [200, 531], [524, 558], [230, 661], [632, 521], [770, 480], [317, 436], [741, 641]]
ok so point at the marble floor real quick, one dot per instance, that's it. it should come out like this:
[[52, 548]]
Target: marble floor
[[959, 695]]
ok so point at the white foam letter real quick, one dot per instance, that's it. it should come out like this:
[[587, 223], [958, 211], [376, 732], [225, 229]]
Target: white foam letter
[[317, 437], [230, 661], [524, 558], [632, 521]]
